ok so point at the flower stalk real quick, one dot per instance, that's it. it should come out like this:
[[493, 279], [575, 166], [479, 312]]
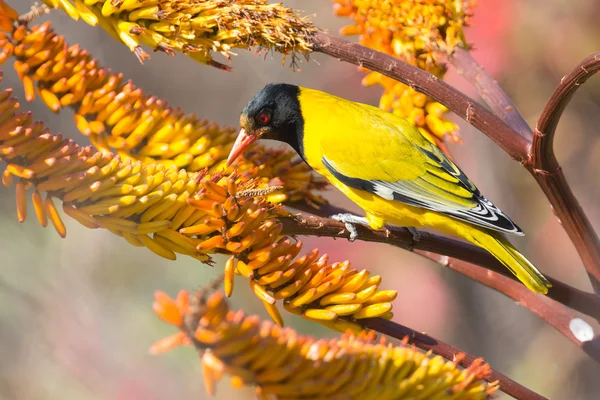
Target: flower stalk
[[548, 172], [282, 364], [436, 247], [193, 27]]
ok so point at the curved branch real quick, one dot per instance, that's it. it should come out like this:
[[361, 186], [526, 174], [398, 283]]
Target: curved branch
[[449, 352], [542, 149], [437, 248], [489, 90], [475, 258], [574, 221], [542, 162], [463, 106], [549, 175]]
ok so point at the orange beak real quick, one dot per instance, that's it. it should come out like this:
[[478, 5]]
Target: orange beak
[[242, 142]]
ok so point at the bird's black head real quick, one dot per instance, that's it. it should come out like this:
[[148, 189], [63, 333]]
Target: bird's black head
[[274, 113]]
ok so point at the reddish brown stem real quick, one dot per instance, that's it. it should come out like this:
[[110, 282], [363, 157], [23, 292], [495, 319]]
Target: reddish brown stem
[[389, 328], [475, 257], [554, 314], [424, 82], [542, 152], [548, 309], [542, 160], [489, 90], [546, 169], [449, 352]]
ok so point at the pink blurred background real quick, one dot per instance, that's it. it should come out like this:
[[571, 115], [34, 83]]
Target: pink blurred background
[[75, 314]]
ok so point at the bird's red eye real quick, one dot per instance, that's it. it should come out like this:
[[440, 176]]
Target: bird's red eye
[[263, 118]]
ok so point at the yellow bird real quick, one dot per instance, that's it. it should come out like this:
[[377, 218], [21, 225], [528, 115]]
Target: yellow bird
[[386, 166]]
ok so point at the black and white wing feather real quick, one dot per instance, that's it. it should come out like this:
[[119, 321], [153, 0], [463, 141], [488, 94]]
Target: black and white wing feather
[[443, 188]]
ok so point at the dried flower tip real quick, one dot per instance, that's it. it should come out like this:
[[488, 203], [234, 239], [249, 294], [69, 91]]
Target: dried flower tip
[[332, 294], [258, 192], [420, 32], [197, 28], [37, 10]]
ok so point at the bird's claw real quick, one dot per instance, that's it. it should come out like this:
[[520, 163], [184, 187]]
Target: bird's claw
[[350, 221], [416, 235], [353, 232]]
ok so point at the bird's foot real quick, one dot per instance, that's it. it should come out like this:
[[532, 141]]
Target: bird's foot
[[416, 235], [350, 221]]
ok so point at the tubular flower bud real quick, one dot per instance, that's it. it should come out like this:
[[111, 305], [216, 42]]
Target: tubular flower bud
[[118, 116], [100, 190], [7, 16], [172, 211], [333, 294], [197, 28], [423, 33], [282, 364]]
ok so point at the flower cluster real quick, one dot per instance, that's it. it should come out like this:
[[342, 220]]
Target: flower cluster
[[421, 32], [283, 365], [194, 27], [171, 211], [332, 293], [116, 115]]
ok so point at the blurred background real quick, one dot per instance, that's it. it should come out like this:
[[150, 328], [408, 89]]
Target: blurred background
[[75, 314]]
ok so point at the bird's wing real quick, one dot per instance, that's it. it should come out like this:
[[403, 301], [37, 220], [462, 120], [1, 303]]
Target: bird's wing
[[394, 161]]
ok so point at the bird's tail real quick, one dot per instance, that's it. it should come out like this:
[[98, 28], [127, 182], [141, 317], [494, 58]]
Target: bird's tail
[[516, 263]]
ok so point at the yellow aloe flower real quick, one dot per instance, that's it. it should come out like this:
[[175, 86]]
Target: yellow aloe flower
[[171, 211], [7, 16], [281, 364], [421, 32], [197, 28], [118, 116], [310, 286]]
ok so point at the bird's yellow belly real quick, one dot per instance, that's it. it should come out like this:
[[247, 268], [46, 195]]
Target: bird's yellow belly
[[381, 211]]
